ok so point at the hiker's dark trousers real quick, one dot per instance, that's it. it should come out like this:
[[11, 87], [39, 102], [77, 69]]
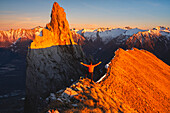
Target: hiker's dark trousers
[[91, 73]]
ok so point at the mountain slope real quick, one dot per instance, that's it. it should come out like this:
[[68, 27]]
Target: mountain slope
[[136, 81], [139, 79]]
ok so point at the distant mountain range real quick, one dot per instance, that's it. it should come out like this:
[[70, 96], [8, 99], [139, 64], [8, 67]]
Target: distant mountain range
[[101, 42], [11, 36]]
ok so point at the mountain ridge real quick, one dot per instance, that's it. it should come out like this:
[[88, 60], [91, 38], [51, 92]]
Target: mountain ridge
[[136, 81]]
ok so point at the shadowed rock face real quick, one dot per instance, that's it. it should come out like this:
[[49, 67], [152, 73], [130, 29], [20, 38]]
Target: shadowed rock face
[[53, 61], [49, 70], [136, 81]]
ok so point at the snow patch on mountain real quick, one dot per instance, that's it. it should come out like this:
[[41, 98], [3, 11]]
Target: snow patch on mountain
[[101, 78]]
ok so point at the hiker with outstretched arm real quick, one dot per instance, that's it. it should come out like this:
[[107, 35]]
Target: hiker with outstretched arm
[[91, 68]]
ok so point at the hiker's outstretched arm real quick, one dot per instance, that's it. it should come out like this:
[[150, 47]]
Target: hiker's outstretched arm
[[97, 64], [84, 64]]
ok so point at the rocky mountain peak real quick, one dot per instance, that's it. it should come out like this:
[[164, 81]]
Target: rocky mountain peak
[[53, 60], [57, 32], [59, 24]]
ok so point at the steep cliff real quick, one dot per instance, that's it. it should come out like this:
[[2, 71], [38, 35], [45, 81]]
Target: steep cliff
[[53, 60]]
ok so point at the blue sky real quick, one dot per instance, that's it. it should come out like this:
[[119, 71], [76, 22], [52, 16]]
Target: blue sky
[[86, 13]]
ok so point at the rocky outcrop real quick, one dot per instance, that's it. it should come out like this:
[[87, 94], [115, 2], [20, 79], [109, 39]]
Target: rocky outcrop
[[136, 81], [86, 97], [53, 61]]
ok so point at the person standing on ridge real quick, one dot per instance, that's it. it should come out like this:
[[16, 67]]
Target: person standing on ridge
[[91, 68]]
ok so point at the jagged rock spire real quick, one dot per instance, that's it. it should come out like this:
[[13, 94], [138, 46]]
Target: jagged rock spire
[[57, 32]]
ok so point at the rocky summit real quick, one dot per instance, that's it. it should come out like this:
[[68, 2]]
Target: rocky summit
[[57, 32], [136, 81], [53, 61]]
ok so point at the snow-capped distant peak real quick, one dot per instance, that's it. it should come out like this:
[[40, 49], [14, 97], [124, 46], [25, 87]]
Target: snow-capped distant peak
[[130, 32]]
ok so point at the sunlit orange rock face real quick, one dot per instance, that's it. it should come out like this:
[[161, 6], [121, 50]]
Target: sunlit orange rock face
[[57, 32], [139, 79]]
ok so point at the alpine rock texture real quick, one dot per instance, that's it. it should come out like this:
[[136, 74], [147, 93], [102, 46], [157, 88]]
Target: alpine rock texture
[[53, 60], [136, 81]]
